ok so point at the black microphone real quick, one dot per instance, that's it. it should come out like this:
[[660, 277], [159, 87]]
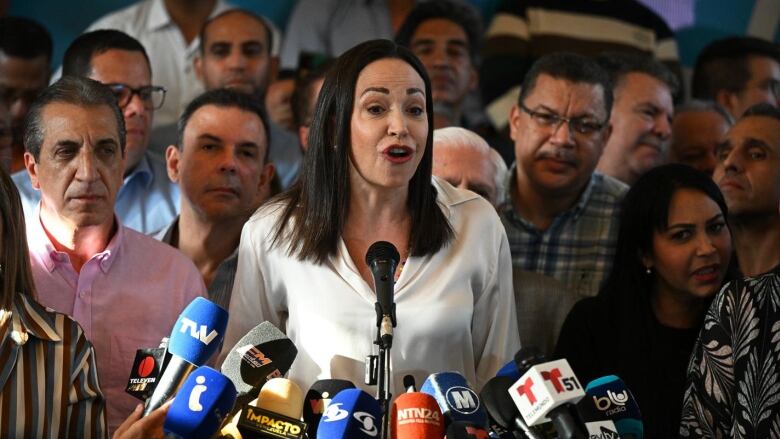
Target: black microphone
[[318, 399], [261, 354], [501, 409], [382, 258]]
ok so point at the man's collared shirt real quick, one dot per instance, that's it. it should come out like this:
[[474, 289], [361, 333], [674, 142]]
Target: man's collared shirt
[[146, 202], [126, 297], [48, 379], [554, 268], [222, 285]]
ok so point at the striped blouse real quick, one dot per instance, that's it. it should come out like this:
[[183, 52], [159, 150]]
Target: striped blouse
[[48, 380]]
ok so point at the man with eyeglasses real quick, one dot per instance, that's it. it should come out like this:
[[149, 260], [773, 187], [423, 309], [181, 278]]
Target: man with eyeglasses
[[147, 200], [737, 73], [560, 215]]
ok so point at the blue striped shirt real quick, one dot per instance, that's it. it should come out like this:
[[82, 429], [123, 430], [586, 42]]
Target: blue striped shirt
[[554, 268], [48, 379]]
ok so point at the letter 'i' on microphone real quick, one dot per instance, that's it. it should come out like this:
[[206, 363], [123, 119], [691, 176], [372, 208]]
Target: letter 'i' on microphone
[[465, 430], [263, 353], [352, 414], [416, 415], [317, 400], [614, 401], [545, 393], [201, 405], [457, 401], [275, 414], [196, 336]]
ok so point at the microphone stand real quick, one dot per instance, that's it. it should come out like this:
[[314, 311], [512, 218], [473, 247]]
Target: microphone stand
[[384, 339], [382, 257]]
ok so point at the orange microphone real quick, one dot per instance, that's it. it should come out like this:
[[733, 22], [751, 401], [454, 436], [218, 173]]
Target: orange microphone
[[416, 415]]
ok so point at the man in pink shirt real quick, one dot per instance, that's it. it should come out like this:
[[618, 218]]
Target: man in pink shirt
[[125, 289]]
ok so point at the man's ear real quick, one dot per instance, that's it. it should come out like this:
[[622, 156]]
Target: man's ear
[[303, 137], [473, 79], [728, 100], [273, 68], [172, 162], [607, 133], [197, 64], [32, 168], [266, 174], [514, 122]]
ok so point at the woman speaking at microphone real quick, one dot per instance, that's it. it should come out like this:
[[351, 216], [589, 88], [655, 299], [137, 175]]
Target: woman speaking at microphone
[[673, 254], [366, 178]]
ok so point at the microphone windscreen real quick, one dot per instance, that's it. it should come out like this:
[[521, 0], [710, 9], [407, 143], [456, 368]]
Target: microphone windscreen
[[201, 405], [281, 396], [465, 430], [614, 401], [457, 401], [198, 332], [382, 251], [527, 357], [416, 415], [317, 400], [542, 389], [275, 413], [352, 414], [509, 370], [498, 403], [263, 353]]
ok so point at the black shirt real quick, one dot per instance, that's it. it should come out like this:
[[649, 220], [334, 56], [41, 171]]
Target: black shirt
[[604, 335]]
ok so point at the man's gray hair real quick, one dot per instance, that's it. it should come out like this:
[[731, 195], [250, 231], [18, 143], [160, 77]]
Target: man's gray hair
[[456, 137], [73, 90], [696, 105]]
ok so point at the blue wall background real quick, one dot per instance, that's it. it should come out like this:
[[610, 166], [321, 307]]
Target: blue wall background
[[697, 22]]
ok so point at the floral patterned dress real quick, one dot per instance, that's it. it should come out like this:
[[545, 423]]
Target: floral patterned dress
[[733, 387]]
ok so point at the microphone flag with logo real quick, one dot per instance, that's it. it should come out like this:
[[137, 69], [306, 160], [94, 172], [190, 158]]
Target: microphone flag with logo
[[201, 404], [196, 336], [457, 401], [261, 354], [351, 414], [416, 415], [317, 400], [612, 399]]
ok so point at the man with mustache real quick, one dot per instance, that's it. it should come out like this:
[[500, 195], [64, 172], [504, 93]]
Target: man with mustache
[[559, 214], [147, 200], [641, 116], [124, 288], [221, 164], [235, 53], [445, 35]]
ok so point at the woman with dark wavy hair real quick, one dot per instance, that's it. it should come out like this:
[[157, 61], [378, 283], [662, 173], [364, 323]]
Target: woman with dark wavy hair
[[673, 254], [366, 178], [48, 378]]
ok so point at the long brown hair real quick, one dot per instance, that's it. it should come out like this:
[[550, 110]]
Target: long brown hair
[[16, 276], [319, 202]]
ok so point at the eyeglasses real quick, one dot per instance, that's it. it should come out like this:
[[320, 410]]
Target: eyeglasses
[[772, 86], [577, 125], [153, 96]]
